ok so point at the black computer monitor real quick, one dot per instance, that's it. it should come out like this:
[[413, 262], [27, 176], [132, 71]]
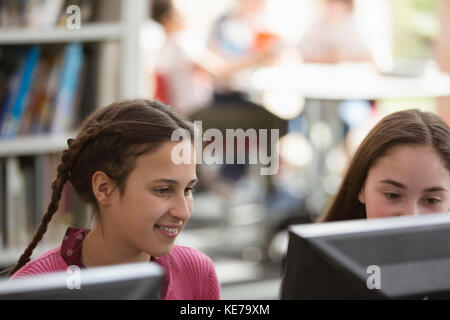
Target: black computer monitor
[[387, 258], [134, 281]]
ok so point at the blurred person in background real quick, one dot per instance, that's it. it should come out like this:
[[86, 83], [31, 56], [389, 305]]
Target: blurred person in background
[[402, 167], [240, 37], [186, 71], [185, 67], [183, 75], [442, 54], [334, 37]]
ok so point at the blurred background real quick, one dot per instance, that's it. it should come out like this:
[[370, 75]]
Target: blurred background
[[322, 72]]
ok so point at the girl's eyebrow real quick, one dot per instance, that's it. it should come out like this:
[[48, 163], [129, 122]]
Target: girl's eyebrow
[[394, 183], [174, 182], [435, 189], [399, 185]]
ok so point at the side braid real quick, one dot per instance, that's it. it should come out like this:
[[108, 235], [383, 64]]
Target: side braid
[[63, 175]]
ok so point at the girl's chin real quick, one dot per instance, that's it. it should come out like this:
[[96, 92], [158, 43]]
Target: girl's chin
[[161, 252]]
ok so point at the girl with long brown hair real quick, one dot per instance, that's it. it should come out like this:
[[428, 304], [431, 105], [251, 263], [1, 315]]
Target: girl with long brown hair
[[402, 167], [121, 164]]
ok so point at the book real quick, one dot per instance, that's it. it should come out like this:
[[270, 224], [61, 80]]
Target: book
[[73, 60], [37, 96], [37, 14], [14, 182], [12, 13], [28, 168], [2, 202], [11, 60], [14, 114], [11, 92], [87, 89], [38, 184], [42, 14], [41, 122]]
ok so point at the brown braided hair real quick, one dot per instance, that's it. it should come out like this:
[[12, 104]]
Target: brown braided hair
[[110, 140]]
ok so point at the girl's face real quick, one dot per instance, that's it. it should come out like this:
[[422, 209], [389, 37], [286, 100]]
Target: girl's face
[[408, 180], [157, 201]]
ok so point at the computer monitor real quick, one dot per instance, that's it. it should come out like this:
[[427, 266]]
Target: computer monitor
[[386, 258], [136, 281]]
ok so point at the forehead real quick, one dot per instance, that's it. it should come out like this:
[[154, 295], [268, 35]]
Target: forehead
[[414, 165], [159, 163]]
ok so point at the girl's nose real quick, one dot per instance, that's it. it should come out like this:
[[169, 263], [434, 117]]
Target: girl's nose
[[410, 209], [181, 209]]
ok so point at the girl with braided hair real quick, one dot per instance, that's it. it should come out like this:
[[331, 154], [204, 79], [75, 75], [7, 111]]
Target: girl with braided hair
[[120, 163]]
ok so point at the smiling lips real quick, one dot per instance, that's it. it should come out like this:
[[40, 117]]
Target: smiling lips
[[170, 231]]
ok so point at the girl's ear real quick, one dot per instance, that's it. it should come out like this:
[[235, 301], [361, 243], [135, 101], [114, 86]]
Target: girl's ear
[[361, 196], [102, 187]]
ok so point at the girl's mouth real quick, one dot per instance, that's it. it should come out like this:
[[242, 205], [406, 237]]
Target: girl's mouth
[[168, 231]]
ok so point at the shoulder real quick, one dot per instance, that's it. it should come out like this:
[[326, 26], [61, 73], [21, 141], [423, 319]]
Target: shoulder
[[51, 261]]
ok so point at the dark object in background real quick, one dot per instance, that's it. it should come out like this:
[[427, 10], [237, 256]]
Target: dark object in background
[[232, 111], [125, 282], [338, 260]]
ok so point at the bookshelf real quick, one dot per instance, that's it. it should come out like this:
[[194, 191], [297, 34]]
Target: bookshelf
[[34, 144], [114, 36], [92, 32]]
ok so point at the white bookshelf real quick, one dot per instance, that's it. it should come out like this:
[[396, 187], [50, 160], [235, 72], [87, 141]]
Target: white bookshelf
[[125, 32], [88, 33], [118, 77], [34, 144]]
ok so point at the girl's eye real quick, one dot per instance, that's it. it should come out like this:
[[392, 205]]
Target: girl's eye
[[392, 196], [432, 201], [162, 191], [189, 190]]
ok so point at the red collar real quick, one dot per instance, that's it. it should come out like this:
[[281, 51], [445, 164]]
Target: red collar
[[71, 246], [71, 252]]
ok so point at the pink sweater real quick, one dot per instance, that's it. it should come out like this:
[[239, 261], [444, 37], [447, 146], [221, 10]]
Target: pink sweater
[[189, 274]]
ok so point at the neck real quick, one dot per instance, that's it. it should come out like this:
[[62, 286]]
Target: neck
[[100, 248]]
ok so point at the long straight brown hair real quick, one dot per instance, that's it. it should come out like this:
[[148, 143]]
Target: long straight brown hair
[[404, 127], [110, 140]]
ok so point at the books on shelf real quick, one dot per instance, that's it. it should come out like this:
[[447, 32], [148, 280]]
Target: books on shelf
[[73, 59], [16, 225], [28, 182], [2, 201], [15, 107], [41, 120], [50, 80], [41, 89], [12, 77], [42, 94]]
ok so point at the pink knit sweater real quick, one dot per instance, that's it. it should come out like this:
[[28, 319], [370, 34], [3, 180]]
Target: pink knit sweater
[[189, 274]]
